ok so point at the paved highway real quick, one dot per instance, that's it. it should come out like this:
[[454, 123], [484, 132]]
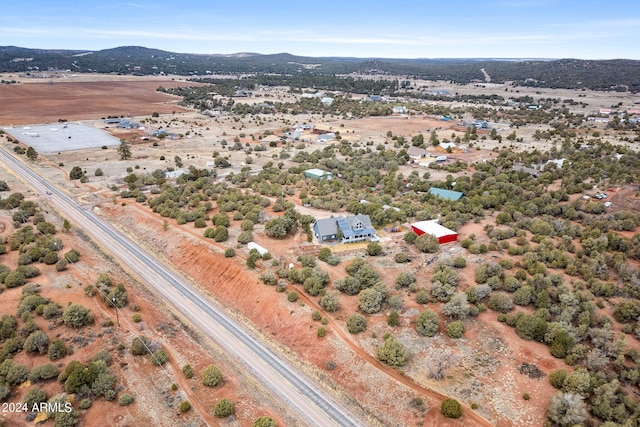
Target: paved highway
[[314, 407]]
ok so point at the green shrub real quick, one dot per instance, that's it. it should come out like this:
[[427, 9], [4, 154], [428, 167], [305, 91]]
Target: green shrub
[[37, 341], [43, 372], [427, 243], [264, 422], [392, 352], [185, 406], [229, 252], [292, 296], [125, 399], [103, 356], [557, 377], [374, 249], [187, 370], [223, 408], [422, 297], [140, 346], [57, 350], [76, 316], [451, 408], [459, 262], [427, 323], [322, 331], [356, 324], [455, 329], [401, 257], [500, 302], [211, 376], [160, 357], [35, 396], [410, 237], [324, 254], [394, 318]]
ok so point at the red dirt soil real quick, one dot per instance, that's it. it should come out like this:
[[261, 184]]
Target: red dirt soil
[[44, 103]]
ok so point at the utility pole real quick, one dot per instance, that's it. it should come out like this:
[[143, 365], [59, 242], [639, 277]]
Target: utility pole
[[113, 300]]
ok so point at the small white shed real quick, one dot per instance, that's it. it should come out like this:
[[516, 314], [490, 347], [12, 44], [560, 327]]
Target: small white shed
[[257, 247]]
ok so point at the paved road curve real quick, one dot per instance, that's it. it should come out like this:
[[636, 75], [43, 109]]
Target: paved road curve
[[313, 406]]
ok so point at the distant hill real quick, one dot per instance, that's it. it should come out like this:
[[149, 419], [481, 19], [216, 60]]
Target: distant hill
[[619, 74]]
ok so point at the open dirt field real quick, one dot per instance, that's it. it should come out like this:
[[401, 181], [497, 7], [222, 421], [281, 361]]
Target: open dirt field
[[32, 103]]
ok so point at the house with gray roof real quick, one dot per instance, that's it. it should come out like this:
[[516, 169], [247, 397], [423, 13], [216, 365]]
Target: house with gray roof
[[353, 228]]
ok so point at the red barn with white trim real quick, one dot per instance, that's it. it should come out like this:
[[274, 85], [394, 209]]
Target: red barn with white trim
[[432, 227]]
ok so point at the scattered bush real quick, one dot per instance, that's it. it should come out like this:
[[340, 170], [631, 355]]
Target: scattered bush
[[356, 324], [160, 357], [185, 406], [427, 243], [393, 319], [392, 353], [35, 396], [427, 323], [125, 399], [187, 370], [211, 376], [264, 422], [401, 257], [37, 341], [223, 408], [103, 356], [451, 408], [140, 346], [57, 350], [76, 316], [43, 372], [500, 302], [455, 329], [374, 249], [557, 377]]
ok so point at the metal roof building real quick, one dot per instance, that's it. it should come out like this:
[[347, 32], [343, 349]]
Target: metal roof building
[[317, 174], [446, 194], [432, 227]]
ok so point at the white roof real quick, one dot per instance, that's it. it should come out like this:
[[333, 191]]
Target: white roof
[[432, 227], [316, 171], [260, 249]]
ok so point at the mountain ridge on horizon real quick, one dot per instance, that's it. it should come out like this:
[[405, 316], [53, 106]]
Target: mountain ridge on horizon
[[248, 54], [611, 74]]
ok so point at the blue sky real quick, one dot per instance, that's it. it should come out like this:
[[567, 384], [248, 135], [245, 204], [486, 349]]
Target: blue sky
[[396, 29]]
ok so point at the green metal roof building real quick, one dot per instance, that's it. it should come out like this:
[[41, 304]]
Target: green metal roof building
[[446, 194], [317, 174]]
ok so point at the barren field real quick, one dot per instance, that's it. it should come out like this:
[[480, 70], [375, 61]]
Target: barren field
[[32, 103], [486, 363]]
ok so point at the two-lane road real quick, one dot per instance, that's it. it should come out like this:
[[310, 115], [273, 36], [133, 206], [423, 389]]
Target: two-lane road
[[313, 406]]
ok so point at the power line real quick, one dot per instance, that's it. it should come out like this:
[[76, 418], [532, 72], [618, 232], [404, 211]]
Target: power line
[[144, 343]]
